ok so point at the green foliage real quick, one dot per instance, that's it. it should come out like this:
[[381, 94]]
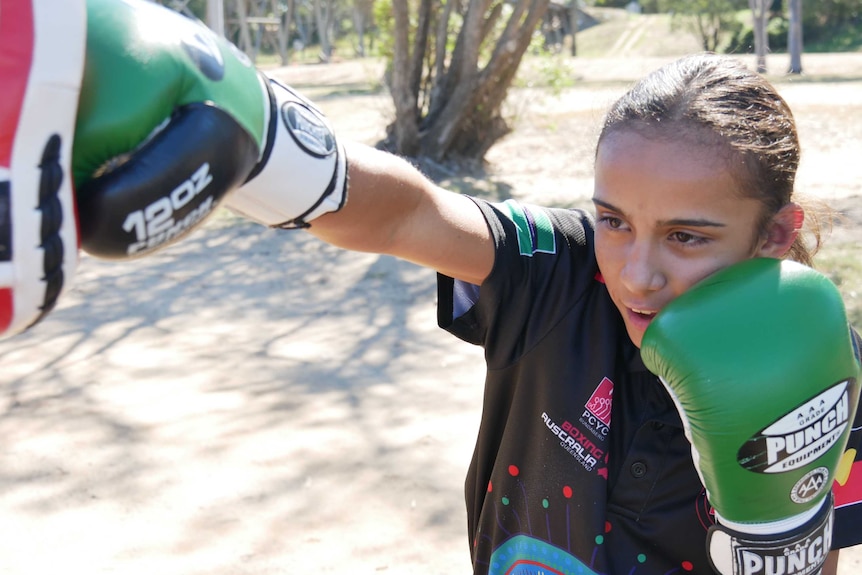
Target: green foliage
[[829, 25], [651, 6], [844, 38], [385, 27], [611, 3], [545, 69], [711, 20], [742, 37], [556, 74], [647, 6], [385, 21], [826, 14], [724, 8], [197, 7], [822, 20]]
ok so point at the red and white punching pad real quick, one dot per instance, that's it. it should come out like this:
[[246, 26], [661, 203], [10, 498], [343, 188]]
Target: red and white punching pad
[[42, 47]]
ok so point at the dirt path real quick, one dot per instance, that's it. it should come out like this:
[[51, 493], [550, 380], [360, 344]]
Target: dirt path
[[253, 402]]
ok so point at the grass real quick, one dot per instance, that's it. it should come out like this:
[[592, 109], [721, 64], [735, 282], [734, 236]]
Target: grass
[[649, 35]]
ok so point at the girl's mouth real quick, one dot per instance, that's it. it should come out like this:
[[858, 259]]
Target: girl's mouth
[[646, 314], [639, 319]]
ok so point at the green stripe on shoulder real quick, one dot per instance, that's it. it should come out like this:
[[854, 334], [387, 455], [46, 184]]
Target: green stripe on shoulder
[[535, 231], [546, 242]]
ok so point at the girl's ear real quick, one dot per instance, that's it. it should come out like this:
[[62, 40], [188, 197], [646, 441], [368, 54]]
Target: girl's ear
[[782, 231]]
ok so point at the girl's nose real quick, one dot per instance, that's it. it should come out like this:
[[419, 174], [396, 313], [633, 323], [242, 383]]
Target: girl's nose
[[642, 272]]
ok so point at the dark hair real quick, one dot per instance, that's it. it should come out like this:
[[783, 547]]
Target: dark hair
[[715, 100]]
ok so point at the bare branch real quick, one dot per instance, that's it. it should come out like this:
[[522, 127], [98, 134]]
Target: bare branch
[[442, 131], [497, 77], [420, 43]]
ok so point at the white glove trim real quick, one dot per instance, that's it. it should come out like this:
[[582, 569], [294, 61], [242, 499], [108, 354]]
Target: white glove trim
[[801, 551], [303, 173]]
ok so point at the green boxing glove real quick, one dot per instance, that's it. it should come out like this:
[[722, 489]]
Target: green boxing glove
[[173, 118], [760, 361]]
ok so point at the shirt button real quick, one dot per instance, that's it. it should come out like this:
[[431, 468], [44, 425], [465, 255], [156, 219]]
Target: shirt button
[[638, 469]]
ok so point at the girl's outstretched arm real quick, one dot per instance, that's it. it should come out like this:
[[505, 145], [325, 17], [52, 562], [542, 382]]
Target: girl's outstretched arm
[[393, 209]]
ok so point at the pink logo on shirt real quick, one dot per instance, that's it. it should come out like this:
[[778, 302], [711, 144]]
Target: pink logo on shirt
[[600, 401]]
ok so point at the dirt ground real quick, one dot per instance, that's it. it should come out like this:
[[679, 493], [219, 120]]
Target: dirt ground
[[256, 402]]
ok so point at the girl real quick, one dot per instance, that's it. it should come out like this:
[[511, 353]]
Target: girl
[[581, 464]]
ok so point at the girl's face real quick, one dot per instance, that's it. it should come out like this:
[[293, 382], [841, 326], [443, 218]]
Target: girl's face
[[668, 214]]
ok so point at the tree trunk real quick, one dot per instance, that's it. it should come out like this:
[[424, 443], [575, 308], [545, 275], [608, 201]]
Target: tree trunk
[[258, 31], [794, 37], [323, 15], [304, 27], [449, 77], [447, 106], [406, 121], [420, 41], [574, 18], [495, 79], [215, 16], [439, 137], [359, 27], [244, 37], [760, 15], [439, 79], [283, 28]]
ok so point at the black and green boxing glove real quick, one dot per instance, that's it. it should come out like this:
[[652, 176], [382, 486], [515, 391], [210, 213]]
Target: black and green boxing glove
[[760, 361], [172, 119]]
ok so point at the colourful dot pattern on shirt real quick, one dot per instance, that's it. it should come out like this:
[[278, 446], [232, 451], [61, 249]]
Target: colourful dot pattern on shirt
[[528, 554]]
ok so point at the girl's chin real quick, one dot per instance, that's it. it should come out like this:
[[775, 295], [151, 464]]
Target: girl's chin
[[636, 324]]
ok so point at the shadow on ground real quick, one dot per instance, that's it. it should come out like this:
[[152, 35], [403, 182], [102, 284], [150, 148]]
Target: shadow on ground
[[246, 400]]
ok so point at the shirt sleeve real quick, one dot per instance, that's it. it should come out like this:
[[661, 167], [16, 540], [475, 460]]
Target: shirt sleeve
[[847, 488], [543, 261]]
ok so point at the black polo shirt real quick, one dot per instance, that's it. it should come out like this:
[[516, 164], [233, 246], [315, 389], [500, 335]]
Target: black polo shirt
[[581, 464]]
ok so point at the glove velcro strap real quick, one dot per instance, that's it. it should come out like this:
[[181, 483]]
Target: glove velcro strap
[[303, 170], [801, 551]]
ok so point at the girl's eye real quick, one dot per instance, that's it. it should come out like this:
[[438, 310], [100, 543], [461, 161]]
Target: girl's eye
[[686, 238], [611, 221]]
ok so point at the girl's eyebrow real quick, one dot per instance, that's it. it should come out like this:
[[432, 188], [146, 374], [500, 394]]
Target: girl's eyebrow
[[606, 205], [689, 222], [694, 223]]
